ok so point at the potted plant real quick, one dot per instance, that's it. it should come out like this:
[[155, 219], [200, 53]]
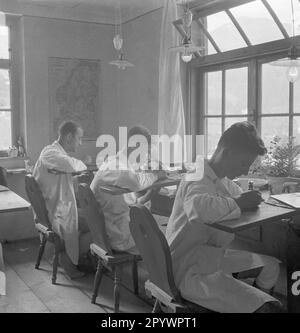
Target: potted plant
[[279, 165]]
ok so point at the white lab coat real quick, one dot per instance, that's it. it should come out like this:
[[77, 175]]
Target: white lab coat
[[202, 264], [116, 207], [58, 192]]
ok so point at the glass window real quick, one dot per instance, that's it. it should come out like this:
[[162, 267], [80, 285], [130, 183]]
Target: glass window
[[275, 90], [213, 133], [4, 89], [214, 93], [274, 126], [296, 129], [200, 39], [220, 25], [297, 97], [232, 120], [283, 10], [5, 130], [236, 91], [257, 22], [4, 42]]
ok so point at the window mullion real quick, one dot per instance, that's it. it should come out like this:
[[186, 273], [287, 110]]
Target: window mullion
[[291, 108], [223, 98]]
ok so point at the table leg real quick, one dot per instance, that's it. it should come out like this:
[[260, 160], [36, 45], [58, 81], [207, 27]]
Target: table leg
[[293, 266]]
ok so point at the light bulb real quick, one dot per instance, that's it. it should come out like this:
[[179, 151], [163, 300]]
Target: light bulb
[[292, 74], [118, 42], [186, 56]]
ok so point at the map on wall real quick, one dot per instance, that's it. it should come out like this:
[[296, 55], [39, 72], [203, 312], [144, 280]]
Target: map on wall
[[74, 86]]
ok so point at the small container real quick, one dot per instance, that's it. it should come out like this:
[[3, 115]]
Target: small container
[[250, 185]]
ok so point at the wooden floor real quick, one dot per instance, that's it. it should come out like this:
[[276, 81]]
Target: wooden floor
[[30, 290]]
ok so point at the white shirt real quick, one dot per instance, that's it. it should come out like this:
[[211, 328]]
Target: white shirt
[[59, 195], [115, 207], [202, 265]]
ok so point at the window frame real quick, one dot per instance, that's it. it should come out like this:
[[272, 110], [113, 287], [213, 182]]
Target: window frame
[[254, 64], [13, 64]]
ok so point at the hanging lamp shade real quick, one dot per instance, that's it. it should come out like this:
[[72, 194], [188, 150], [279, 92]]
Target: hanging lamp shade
[[118, 41], [292, 61], [186, 48], [121, 63]]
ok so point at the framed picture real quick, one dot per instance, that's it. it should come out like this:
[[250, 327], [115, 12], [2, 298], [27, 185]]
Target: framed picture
[[74, 93]]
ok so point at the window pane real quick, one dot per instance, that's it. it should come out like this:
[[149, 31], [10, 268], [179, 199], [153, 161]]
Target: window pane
[[4, 89], [275, 90], [236, 95], [5, 130], [296, 129], [214, 93], [297, 96], [230, 121], [274, 126], [4, 42], [257, 22], [220, 25], [200, 39], [213, 134], [283, 10]]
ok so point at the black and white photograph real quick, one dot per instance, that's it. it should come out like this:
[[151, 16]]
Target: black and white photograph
[[149, 160]]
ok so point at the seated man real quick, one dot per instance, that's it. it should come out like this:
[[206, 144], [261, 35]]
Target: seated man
[[116, 207], [53, 172], [202, 263]]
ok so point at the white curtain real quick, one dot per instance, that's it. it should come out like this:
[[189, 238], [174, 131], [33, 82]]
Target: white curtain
[[171, 108]]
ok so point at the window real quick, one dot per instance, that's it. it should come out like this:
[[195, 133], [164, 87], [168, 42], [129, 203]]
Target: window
[[226, 102], [5, 91], [233, 80], [228, 99]]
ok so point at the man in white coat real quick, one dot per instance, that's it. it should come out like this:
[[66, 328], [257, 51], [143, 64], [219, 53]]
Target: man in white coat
[[202, 263], [119, 171], [58, 190]]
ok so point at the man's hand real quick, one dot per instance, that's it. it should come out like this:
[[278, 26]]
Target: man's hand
[[248, 200], [161, 174], [85, 177]]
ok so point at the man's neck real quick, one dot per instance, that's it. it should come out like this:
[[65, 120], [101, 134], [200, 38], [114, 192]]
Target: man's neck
[[64, 146], [217, 167]]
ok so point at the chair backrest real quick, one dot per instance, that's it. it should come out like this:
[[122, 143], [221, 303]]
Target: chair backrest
[[94, 217], [3, 177], [154, 249], [37, 201]]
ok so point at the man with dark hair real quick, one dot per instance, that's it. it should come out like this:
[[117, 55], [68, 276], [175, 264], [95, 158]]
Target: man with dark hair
[[202, 263], [58, 190], [121, 172]]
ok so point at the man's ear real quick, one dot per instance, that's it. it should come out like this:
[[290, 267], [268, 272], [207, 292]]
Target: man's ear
[[69, 137], [226, 152]]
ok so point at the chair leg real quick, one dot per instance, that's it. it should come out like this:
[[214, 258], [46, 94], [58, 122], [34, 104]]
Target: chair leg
[[43, 241], [156, 307], [55, 264], [97, 281], [117, 282], [135, 277]]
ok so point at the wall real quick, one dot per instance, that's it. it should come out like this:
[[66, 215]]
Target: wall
[[128, 97], [138, 86], [45, 38]]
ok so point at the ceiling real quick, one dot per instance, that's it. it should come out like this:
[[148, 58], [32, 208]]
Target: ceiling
[[100, 11]]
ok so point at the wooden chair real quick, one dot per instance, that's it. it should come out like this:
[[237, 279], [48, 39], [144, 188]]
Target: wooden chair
[[107, 258], [155, 252], [3, 177], [43, 224]]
